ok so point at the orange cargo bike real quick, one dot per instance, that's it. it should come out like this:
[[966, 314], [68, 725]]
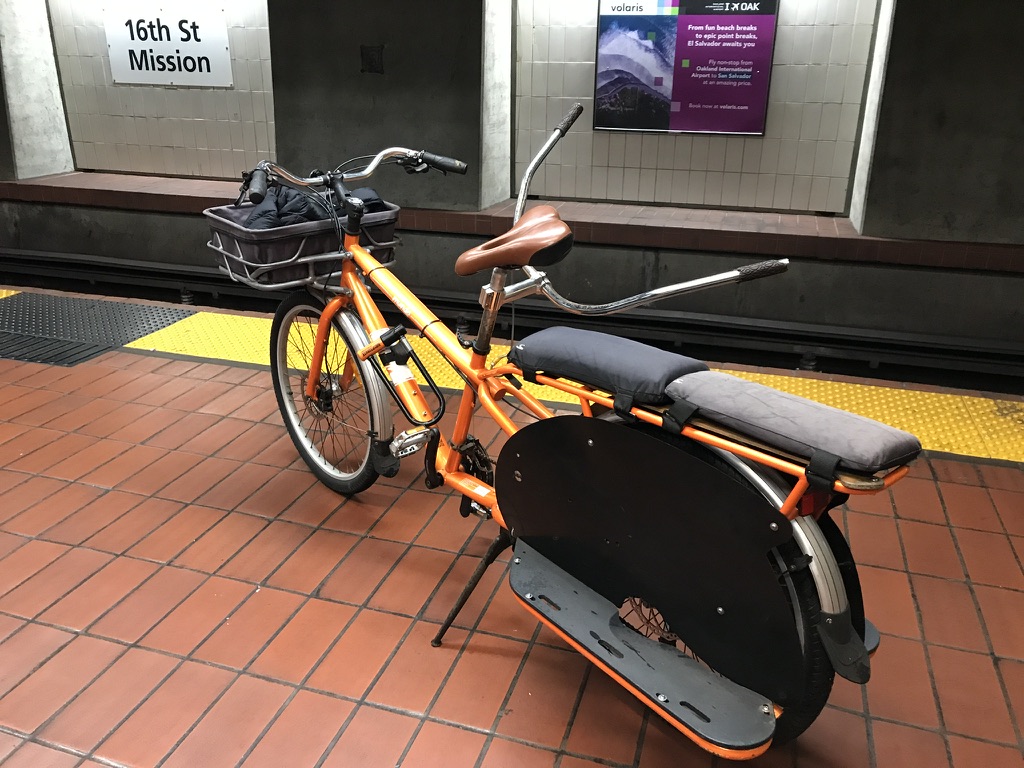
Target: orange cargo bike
[[676, 532]]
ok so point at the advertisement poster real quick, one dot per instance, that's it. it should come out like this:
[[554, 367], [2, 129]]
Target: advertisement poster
[[672, 65]]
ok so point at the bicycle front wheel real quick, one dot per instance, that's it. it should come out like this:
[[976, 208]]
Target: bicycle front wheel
[[334, 431]]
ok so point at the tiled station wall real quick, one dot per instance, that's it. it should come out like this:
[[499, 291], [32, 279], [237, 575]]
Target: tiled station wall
[[803, 162]]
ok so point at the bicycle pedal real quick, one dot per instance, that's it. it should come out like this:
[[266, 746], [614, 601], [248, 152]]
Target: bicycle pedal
[[469, 507], [409, 442]]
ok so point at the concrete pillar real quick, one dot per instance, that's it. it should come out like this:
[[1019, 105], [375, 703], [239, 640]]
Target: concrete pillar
[[35, 141]]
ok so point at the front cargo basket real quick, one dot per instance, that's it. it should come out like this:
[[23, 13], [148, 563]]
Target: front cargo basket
[[295, 254]]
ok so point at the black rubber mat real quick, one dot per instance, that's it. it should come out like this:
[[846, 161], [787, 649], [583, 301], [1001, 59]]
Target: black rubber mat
[[63, 330]]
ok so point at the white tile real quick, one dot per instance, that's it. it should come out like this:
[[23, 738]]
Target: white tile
[[791, 121], [556, 80], [765, 196], [615, 183], [805, 12], [649, 150], [774, 118], [805, 154], [842, 161], [734, 150], [263, 138], [846, 11], [666, 151], [849, 119], [769, 156], [681, 160], [648, 182], [631, 184], [541, 12], [713, 188], [783, 52], [819, 193], [748, 190], [854, 91], [538, 111], [584, 188], [783, 192], [256, 76], [815, 93], [540, 44], [663, 185], [680, 186], [752, 155], [860, 45], [778, 88], [599, 183], [842, 39], [601, 142], [695, 191], [248, 137], [829, 127], [803, 43], [540, 78], [567, 181], [716, 153], [731, 189], [634, 147], [579, 79], [866, 11], [699, 154], [797, 83], [810, 123], [837, 195], [826, 12], [821, 45], [616, 149], [801, 199], [556, 44], [824, 157], [787, 156], [835, 84]]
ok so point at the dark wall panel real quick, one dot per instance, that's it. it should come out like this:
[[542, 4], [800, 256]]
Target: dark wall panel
[[949, 153], [327, 109]]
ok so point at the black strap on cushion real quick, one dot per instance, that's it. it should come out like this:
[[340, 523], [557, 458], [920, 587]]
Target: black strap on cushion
[[676, 417], [623, 404], [529, 374], [821, 470]]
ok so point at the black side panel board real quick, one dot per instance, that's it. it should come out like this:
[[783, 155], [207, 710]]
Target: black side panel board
[[632, 516], [676, 686]]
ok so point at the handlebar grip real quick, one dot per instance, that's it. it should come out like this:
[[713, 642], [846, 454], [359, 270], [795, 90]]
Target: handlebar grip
[[762, 269], [443, 163], [570, 118], [258, 186]]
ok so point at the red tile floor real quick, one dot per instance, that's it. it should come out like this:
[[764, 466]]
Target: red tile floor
[[175, 589]]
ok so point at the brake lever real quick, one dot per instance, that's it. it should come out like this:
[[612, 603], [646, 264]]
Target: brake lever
[[415, 168], [246, 178]]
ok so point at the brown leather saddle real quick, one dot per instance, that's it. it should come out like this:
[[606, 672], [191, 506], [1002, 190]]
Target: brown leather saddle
[[539, 239]]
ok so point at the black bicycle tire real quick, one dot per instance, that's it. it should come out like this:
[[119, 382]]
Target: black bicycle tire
[[365, 474], [819, 674]]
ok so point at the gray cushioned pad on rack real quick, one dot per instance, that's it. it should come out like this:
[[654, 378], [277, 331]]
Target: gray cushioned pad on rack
[[610, 363], [794, 424]]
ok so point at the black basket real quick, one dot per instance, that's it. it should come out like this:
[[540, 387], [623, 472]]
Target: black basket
[[295, 254]]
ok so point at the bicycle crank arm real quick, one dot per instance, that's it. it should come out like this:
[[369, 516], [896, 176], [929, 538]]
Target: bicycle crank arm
[[719, 715]]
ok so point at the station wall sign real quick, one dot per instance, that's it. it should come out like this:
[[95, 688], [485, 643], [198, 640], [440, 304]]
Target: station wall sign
[[168, 43], [673, 65]]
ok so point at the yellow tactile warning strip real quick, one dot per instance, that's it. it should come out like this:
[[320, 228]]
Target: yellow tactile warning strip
[[4, 293], [213, 336], [960, 424]]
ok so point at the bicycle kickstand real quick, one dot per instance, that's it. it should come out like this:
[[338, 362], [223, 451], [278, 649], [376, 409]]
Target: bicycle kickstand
[[501, 542]]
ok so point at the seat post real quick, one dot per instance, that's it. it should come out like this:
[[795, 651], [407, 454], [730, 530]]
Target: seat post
[[491, 298]]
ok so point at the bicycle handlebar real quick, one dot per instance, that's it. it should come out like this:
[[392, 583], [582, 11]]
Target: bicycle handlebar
[[411, 158], [445, 164], [258, 186], [570, 118]]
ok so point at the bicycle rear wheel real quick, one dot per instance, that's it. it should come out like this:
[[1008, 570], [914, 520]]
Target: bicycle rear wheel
[[798, 587], [335, 430]]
